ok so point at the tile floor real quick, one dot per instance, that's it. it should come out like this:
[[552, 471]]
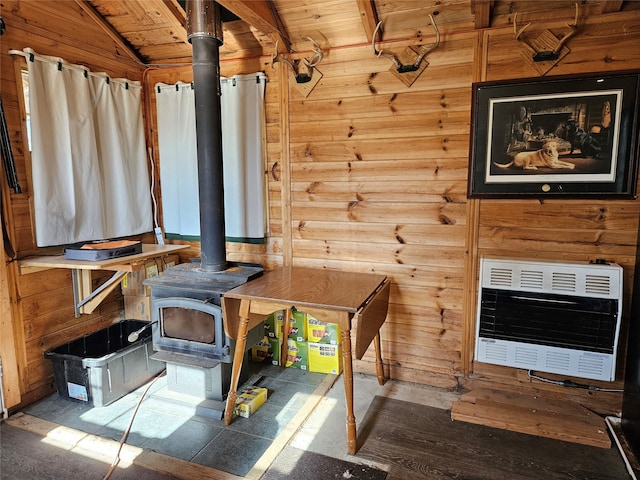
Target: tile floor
[[175, 430]]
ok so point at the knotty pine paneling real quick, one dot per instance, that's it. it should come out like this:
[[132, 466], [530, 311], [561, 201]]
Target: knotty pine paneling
[[42, 304], [378, 183], [375, 176], [558, 229]]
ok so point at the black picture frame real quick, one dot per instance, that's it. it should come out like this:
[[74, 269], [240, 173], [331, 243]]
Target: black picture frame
[[593, 120]]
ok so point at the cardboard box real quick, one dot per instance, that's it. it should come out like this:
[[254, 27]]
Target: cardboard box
[[169, 261], [322, 332], [275, 347], [153, 267], [325, 358], [261, 351], [249, 400], [297, 354], [298, 326], [273, 324], [132, 281], [137, 307]]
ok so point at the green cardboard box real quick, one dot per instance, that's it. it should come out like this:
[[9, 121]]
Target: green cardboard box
[[297, 354], [298, 326], [275, 347], [322, 332], [273, 324]]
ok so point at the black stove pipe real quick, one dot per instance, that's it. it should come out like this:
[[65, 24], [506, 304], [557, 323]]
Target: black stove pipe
[[204, 31]]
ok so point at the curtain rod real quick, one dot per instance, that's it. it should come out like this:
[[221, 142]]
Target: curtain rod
[[30, 55], [249, 77]]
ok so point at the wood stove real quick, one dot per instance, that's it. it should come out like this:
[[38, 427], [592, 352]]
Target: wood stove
[[188, 333], [186, 313], [187, 324]]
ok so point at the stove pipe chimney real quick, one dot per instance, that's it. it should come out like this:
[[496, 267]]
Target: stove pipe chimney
[[204, 31]]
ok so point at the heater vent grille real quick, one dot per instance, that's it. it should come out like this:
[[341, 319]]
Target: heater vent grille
[[532, 279], [558, 361], [501, 277], [591, 366], [550, 316], [563, 282], [598, 285]]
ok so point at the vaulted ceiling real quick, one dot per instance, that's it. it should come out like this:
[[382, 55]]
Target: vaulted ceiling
[[154, 31]]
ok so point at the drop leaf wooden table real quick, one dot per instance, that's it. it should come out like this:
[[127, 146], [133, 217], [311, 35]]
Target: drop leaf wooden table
[[357, 302]]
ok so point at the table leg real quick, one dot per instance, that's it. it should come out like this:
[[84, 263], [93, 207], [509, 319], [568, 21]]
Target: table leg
[[379, 365], [286, 324], [238, 357], [347, 376]]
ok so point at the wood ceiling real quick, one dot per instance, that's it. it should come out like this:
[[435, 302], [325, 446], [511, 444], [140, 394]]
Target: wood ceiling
[[153, 32]]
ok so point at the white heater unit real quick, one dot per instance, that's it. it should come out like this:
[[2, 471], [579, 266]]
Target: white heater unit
[[553, 317]]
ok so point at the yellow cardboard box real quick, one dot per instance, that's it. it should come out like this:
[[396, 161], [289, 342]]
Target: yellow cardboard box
[[322, 332], [260, 351], [325, 358], [249, 400]]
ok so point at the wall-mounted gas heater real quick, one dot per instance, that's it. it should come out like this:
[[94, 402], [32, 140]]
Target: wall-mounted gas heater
[[553, 317]]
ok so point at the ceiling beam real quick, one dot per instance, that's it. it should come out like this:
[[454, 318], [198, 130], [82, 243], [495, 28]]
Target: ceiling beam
[[609, 6], [369, 16], [262, 15], [481, 10], [94, 15], [177, 11]]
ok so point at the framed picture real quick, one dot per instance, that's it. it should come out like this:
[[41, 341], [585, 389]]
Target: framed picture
[[567, 136]]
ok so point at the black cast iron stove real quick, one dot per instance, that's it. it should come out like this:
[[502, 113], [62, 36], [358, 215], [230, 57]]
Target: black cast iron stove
[[188, 333]]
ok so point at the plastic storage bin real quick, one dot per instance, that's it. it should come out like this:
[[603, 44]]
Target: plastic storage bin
[[102, 367]]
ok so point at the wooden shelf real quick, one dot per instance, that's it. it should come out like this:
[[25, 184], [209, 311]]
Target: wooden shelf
[[86, 299]]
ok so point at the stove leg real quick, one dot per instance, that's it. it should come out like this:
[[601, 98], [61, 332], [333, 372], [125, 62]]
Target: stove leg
[[238, 356]]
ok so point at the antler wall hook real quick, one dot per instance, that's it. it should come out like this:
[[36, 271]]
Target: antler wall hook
[[412, 67], [309, 63], [547, 55]]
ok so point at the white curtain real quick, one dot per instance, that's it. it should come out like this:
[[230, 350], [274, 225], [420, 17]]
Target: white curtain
[[242, 105], [89, 168], [178, 160]]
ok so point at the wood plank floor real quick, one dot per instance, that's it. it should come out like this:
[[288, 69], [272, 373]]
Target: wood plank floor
[[25, 456], [417, 442]]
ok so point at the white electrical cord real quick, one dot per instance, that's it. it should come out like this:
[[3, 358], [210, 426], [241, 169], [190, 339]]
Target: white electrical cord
[[156, 229]]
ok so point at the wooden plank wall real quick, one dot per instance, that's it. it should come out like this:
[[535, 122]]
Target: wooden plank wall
[[566, 230], [42, 303], [366, 174], [378, 184]]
